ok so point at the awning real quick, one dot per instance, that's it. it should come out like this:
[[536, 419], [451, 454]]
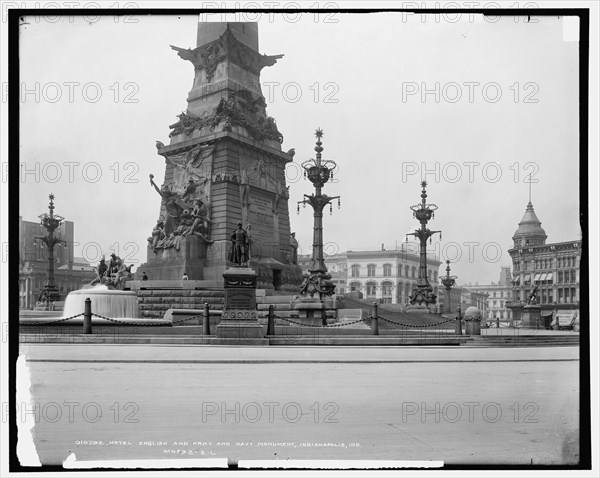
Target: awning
[[565, 319], [536, 278], [550, 276], [527, 277], [543, 278], [516, 280]]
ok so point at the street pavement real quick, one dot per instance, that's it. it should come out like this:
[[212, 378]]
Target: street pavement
[[513, 405]]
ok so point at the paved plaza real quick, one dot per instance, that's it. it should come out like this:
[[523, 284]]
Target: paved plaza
[[458, 405]]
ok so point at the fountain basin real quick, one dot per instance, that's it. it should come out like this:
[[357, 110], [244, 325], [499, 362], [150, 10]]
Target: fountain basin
[[114, 304]]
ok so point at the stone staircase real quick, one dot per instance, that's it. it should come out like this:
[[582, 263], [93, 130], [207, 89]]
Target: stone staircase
[[154, 303], [529, 340]]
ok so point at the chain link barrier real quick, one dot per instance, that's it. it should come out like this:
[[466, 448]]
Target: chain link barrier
[[130, 323], [414, 326], [175, 322], [330, 326], [50, 323], [181, 321]]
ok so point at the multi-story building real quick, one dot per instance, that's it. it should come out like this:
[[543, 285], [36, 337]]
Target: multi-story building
[[498, 295], [463, 297], [70, 272], [386, 276], [552, 270]]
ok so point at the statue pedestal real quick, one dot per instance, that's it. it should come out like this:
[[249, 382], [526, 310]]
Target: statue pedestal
[[531, 317], [239, 323], [312, 310]]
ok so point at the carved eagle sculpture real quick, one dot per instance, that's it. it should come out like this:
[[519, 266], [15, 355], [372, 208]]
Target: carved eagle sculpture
[[159, 144], [292, 152]]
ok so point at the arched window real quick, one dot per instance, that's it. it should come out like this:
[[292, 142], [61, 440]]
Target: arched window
[[371, 290], [355, 286], [414, 272], [406, 269], [407, 291], [387, 270], [355, 270], [371, 270]]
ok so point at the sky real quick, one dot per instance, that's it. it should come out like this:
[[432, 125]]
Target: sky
[[472, 106]]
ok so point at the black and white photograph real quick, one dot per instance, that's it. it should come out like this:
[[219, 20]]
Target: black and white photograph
[[286, 237]]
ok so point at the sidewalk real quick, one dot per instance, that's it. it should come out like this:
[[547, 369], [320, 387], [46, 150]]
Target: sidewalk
[[274, 354]]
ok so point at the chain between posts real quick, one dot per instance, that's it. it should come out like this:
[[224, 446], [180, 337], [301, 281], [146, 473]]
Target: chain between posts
[[415, 326], [50, 323], [331, 326], [131, 323]]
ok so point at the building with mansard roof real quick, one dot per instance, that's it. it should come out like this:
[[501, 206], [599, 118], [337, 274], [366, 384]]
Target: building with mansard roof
[[550, 269]]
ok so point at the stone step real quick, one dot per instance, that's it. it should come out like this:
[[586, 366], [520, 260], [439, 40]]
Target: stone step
[[276, 307], [274, 299], [174, 284], [180, 293]]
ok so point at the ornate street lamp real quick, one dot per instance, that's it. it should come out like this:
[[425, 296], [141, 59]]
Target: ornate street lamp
[[448, 281], [50, 222], [318, 171], [423, 212]]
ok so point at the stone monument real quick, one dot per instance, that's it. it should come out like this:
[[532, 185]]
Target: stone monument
[[223, 166], [531, 315]]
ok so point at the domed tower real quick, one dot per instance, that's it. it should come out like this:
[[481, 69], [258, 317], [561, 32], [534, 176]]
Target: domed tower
[[530, 231]]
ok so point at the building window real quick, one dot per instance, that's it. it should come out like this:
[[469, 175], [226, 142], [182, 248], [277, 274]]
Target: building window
[[387, 270], [355, 270], [399, 271], [414, 272], [371, 270], [371, 290], [406, 268], [386, 289]]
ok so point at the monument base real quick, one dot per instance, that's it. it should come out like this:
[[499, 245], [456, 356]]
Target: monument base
[[239, 323], [312, 310], [531, 317], [171, 263]]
